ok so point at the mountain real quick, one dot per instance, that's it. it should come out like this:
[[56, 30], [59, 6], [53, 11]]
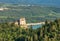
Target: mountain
[[42, 2]]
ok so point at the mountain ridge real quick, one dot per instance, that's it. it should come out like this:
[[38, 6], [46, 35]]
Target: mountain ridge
[[38, 2]]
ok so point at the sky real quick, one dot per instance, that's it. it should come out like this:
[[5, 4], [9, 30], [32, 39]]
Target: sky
[[44, 2]]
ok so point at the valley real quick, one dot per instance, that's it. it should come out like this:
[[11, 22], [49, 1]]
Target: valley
[[32, 13]]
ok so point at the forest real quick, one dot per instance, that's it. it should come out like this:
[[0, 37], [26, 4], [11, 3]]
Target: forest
[[48, 32]]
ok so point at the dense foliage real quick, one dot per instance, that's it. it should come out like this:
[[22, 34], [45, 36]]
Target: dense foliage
[[49, 32]]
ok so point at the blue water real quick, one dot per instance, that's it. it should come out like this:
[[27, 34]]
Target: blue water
[[36, 26]]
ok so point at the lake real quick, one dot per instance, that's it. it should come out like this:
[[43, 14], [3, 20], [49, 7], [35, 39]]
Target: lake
[[36, 26]]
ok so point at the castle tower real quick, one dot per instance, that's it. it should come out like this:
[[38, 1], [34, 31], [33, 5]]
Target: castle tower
[[23, 23]]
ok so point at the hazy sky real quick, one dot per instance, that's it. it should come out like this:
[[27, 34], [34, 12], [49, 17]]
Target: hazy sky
[[46, 2]]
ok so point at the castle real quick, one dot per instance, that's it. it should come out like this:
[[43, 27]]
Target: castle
[[21, 22]]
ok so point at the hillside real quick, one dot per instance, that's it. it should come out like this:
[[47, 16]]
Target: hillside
[[48, 32], [31, 12]]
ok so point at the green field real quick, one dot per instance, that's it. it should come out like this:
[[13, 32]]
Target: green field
[[32, 13]]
